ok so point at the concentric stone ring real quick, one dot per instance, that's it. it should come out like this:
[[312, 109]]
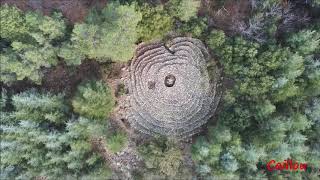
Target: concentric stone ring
[[172, 93]]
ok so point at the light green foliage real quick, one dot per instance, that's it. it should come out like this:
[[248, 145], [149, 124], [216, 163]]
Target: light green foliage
[[45, 28], [218, 155], [313, 113], [39, 107], [25, 61], [109, 34], [12, 22], [117, 141], [93, 100], [38, 140], [216, 39], [155, 24], [78, 135], [305, 42], [31, 37], [120, 39], [228, 162], [184, 9], [175, 16], [29, 147], [171, 162], [265, 109], [162, 157]]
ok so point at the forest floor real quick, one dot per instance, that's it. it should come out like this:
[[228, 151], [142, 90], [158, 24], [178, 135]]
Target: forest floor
[[225, 16], [73, 10]]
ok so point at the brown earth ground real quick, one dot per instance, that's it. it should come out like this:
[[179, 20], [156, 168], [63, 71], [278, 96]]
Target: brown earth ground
[[225, 15], [73, 10]]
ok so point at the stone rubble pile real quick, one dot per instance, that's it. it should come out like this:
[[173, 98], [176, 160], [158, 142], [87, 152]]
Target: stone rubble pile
[[171, 91]]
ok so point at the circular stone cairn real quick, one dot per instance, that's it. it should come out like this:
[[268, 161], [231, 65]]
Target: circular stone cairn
[[171, 92]]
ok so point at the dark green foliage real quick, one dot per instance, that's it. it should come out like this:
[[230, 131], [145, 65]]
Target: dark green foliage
[[37, 141], [163, 159], [78, 135], [264, 113], [32, 40], [109, 34], [155, 24], [195, 27], [218, 154], [93, 100]]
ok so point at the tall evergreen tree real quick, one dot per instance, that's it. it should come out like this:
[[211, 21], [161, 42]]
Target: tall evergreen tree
[[109, 34], [32, 43]]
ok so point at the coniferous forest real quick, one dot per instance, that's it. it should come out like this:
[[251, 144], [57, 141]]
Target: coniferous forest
[[64, 91]]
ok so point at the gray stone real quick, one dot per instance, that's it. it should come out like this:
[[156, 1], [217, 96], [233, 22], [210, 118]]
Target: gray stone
[[171, 92]]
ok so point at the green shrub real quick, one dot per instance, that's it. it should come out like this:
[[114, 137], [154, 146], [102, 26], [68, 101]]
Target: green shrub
[[40, 107], [12, 22], [109, 34], [38, 140], [155, 24], [30, 143], [216, 39], [163, 158], [194, 27], [116, 141], [183, 9], [32, 38], [78, 135], [93, 100], [305, 42]]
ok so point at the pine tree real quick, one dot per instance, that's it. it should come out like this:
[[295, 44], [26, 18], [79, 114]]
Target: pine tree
[[155, 24], [93, 100], [163, 159], [109, 34], [38, 140], [31, 139], [183, 9], [305, 42], [32, 38], [12, 22]]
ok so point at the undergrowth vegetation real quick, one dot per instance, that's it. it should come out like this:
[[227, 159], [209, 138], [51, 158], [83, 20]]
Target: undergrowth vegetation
[[93, 100]]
